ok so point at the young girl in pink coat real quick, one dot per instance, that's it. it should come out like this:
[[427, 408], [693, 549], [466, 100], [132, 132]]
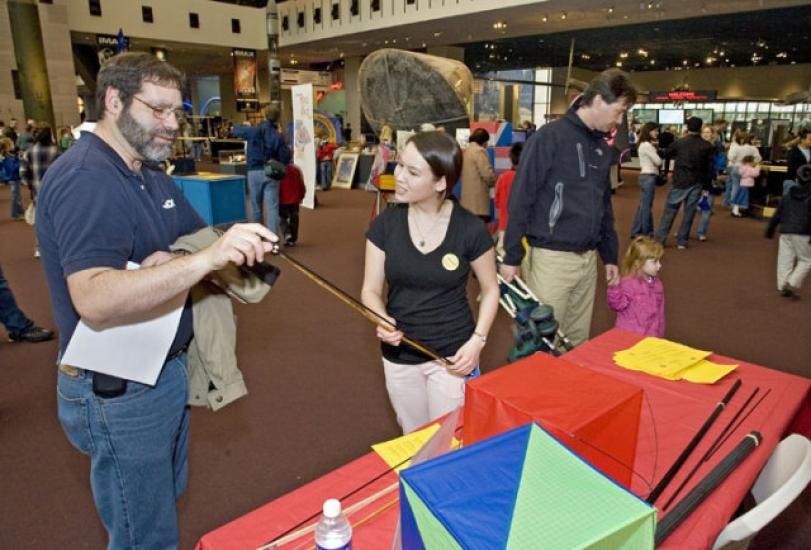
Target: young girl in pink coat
[[639, 298], [748, 170]]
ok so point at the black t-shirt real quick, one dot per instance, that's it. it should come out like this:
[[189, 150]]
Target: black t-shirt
[[427, 292]]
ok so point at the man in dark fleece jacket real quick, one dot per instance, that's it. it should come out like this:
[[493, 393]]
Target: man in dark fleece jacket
[[561, 202], [692, 178]]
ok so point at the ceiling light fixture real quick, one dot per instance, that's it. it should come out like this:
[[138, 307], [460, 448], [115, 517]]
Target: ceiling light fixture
[[619, 63], [563, 15], [623, 55], [544, 18], [611, 9], [499, 25]]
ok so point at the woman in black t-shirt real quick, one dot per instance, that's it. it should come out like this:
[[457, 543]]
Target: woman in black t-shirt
[[423, 250]]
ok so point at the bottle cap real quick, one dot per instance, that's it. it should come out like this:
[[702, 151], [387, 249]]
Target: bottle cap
[[332, 508]]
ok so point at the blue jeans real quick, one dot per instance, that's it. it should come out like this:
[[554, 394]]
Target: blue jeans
[[704, 222], [325, 174], [264, 192], [17, 209], [11, 316], [643, 220], [690, 197], [733, 181], [138, 445], [741, 197]]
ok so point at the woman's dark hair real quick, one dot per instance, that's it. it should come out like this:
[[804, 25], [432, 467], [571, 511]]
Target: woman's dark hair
[[127, 72], [515, 152], [611, 85], [480, 136], [644, 133], [442, 154], [43, 134], [748, 159]]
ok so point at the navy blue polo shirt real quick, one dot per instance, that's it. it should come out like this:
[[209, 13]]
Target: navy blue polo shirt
[[93, 211]]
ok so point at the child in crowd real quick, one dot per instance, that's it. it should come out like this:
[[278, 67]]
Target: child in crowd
[[324, 155], [503, 185], [10, 173], [794, 218], [291, 193], [748, 170], [639, 298]]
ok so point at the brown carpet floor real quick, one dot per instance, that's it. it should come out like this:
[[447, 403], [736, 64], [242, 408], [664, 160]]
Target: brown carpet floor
[[317, 397]]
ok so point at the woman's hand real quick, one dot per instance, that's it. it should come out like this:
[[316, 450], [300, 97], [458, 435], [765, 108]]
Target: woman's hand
[[467, 357], [391, 337]]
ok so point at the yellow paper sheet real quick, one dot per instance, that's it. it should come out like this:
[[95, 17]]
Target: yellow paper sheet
[[659, 357], [395, 451], [707, 372]]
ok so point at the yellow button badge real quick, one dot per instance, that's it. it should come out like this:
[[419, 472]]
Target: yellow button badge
[[450, 261]]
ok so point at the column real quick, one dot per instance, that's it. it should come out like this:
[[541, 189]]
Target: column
[[30, 54], [351, 67]]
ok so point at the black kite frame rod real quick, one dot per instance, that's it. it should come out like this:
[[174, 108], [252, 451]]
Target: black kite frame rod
[[668, 477]]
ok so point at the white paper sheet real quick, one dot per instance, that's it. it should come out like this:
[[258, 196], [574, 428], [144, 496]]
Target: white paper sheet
[[134, 351]]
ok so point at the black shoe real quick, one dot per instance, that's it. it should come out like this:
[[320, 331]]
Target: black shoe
[[34, 334], [788, 291]]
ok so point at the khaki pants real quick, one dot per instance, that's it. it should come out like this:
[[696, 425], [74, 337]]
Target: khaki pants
[[793, 260], [420, 393], [566, 281]]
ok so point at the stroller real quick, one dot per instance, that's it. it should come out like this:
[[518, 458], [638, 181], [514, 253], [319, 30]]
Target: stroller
[[536, 328]]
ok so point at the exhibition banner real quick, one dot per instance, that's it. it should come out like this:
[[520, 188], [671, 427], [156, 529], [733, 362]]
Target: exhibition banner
[[245, 88], [107, 45], [303, 143]]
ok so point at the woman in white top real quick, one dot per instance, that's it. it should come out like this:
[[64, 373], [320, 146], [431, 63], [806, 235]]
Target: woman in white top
[[741, 147], [649, 162]]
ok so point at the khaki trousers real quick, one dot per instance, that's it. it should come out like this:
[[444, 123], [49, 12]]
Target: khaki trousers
[[566, 281], [793, 260]]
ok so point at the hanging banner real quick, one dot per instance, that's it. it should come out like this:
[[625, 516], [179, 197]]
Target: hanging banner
[[107, 45], [245, 89], [303, 144]]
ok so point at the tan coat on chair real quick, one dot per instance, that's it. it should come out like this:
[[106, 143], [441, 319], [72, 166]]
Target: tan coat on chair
[[477, 179]]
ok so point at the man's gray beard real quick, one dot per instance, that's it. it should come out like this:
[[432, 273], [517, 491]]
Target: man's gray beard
[[142, 140]]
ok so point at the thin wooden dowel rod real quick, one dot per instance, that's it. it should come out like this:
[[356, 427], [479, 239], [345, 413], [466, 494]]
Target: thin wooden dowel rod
[[668, 477], [372, 316], [714, 478], [348, 511], [741, 421]]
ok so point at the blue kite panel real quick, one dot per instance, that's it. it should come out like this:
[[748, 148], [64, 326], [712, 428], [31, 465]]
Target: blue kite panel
[[409, 531], [476, 510]]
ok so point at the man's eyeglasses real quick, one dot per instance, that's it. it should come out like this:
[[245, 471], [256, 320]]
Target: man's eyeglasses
[[162, 113]]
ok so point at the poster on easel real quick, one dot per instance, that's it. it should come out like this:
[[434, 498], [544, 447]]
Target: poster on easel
[[303, 143]]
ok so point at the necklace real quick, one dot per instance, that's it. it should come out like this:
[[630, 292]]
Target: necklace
[[421, 242]]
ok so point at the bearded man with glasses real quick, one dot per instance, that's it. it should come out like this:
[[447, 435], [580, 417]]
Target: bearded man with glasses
[[102, 204]]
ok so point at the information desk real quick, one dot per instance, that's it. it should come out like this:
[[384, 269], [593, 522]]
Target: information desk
[[672, 412], [217, 198]]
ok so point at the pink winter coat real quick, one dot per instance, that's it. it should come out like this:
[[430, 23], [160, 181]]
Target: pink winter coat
[[640, 305], [748, 174]]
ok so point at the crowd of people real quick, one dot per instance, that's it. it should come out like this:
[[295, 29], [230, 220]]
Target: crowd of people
[[419, 256]]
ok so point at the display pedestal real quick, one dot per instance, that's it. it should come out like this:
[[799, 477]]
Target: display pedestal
[[216, 197]]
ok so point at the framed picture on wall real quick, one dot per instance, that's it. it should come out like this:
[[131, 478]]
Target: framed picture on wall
[[345, 171]]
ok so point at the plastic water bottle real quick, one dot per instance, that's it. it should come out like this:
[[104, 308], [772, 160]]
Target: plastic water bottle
[[333, 531]]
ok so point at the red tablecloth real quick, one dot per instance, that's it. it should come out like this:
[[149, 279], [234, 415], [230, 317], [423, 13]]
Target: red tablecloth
[[671, 414]]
